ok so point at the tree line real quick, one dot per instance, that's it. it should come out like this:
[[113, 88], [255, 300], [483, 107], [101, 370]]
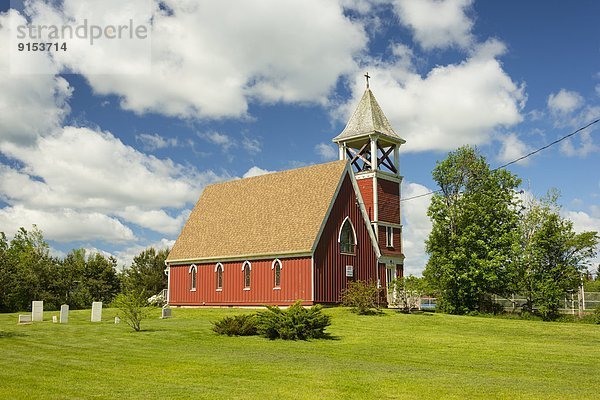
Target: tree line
[[29, 272], [486, 240]]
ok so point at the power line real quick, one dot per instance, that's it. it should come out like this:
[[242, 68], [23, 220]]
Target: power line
[[518, 159]]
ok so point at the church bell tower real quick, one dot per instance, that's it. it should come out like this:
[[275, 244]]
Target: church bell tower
[[372, 146]]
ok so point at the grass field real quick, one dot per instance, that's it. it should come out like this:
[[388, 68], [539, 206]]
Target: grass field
[[427, 356]]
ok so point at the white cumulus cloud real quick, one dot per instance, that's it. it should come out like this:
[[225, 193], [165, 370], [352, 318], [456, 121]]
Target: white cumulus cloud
[[326, 151], [151, 142], [416, 227], [66, 225], [564, 102], [82, 184], [216, 66], [513, 148], [437, 24], [452, 105], [30, 104], [256, 171]]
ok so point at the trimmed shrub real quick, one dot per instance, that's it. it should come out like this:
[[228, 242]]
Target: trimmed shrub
[[238, 325], [362, 297], [295, 323]]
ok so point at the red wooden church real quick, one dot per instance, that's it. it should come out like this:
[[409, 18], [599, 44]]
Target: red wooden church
[[297, 234]]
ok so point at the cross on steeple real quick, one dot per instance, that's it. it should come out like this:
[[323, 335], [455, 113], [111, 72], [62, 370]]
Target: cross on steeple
[[368, 77]]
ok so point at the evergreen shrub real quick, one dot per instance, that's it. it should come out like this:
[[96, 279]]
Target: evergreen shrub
[[295, 323], [238, 325]]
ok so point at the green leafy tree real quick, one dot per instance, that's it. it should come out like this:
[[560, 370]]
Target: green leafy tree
[[592, 285], [100, 278], [133, 307], [6, 271], [474, 231], [29, 269], [76, 294], [147, 271], [552, 257], [407, 292], [89, 278]]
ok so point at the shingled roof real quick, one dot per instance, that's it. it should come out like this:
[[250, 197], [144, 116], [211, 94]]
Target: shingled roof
[[274, 214], [367, 119]]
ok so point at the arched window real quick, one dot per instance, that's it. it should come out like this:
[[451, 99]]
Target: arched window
[[246, 268], [193, 276], [276, 267], [347, 237], [219, 272]]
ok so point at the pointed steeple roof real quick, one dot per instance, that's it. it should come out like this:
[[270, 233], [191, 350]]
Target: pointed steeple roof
[[368, 119]]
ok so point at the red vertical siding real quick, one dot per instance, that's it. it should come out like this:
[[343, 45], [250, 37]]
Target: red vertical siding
[[388, 197], [396, 250], [295, 284], [330, 264], [366, 191], [399, 271]]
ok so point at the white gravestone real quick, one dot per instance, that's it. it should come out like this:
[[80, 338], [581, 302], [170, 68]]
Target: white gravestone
[[117, 320], [24, 319], [37, 311], [54, 319], [96, 311], [64, 313]]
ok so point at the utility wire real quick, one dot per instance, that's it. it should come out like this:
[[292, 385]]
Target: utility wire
[[516, 160]]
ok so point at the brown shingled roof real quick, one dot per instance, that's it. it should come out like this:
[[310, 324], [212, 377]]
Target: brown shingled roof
[[278, 213]]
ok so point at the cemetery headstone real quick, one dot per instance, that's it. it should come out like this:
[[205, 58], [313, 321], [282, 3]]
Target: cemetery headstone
[[117, 320], [54, 319], [96, 311], [64, 313], [166, 313], [37, 311], [24, 319]]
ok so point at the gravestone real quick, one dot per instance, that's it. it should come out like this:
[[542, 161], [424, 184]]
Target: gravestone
[[24, 319], [96, 311], [117, 320], [166, 313], [54, 319], [37, 311], [64, 313]]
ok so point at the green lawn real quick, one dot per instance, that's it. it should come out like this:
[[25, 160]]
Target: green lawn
[[392, 356]]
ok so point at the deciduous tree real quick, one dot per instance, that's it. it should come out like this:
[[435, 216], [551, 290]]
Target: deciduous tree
[[474, 229], [552, 256], [147, 271]]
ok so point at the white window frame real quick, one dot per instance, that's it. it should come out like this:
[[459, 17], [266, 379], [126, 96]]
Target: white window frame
[[219, 289], [277, 261], [353, 235], [389, 236], [244, 265], [194, 277]]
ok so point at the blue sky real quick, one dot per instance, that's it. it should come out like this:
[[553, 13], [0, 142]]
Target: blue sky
[[111, 150]]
